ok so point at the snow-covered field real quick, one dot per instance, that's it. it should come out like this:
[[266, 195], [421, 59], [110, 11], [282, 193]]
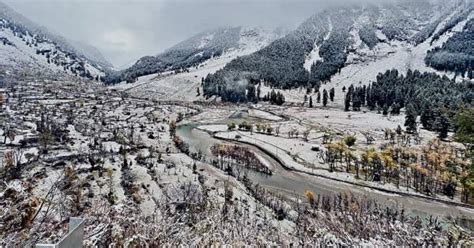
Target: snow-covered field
[[122, 161], [119, 162]]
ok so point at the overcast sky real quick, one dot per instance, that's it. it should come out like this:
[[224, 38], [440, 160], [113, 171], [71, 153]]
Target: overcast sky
[[125, 30]]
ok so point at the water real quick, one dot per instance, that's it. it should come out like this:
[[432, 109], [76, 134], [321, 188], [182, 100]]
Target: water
[[290, 184]]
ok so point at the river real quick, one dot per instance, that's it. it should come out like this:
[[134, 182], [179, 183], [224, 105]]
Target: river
[[290, 183]]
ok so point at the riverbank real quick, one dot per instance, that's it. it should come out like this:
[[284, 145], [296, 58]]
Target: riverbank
[[294, 183], [301, 169]]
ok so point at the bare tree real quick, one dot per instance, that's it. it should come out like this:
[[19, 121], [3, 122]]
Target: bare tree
[[45, 138], [368, 138], [277, 130], [306, 134], [12, 164]]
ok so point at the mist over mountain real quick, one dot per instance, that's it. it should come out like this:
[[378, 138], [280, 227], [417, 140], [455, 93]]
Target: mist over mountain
[[29, 46], [91, 53], [319, 48], [134, 29], [198, 49]]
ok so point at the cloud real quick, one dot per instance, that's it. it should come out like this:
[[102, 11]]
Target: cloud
[[120, 40]]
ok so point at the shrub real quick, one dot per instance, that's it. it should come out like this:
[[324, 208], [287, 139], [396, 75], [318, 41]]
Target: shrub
[[350, 140]]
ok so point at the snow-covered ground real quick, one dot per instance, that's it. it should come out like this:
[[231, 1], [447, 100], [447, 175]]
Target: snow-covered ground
[[145, 171], [256, 113]]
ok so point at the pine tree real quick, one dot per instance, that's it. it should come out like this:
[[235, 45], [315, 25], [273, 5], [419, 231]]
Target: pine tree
[[395, 109], [370, 99], [410, 119], [251, 93], [347, 102], [280, 98], [442, 126], [427, 117], [318, 97], [259, 90], [356, 103], [385, 110], [272, 98], [399, 130], [332, 92], [325, 98], [464, 127], [310, 101]]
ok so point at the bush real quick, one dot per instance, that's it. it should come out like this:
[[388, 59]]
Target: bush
[[350, 140], [231, 126]]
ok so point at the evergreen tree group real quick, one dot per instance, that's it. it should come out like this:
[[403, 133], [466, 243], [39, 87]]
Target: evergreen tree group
[[434, 98], [274, 97]]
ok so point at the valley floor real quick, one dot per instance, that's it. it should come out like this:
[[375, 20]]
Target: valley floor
[[141, 172]]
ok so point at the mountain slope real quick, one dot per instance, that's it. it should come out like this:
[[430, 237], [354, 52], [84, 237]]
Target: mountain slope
[[456, 54], [24, 45], [198, 49], [335, 39], [184, 84]]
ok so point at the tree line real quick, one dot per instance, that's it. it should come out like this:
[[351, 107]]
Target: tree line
[[435, 99]]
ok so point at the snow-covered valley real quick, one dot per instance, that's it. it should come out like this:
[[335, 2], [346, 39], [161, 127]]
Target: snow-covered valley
[[340, 133]]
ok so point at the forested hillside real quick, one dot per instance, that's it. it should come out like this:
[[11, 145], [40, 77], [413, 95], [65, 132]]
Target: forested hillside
[[321, 46], [456, 54]]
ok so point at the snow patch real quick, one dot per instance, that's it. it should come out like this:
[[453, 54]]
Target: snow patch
[[205, 41], [313, 56]]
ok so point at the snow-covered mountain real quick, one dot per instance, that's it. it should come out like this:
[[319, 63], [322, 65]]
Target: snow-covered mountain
[[214, 44], [341, 43], [29, 47]]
